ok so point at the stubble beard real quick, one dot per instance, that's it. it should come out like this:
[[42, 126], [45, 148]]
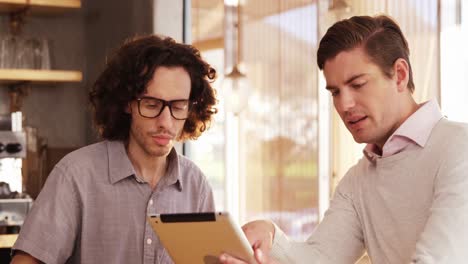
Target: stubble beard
[[146, 144]]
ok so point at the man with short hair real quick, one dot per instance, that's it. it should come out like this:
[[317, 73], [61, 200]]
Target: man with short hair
[[406, 200], [94, 205]]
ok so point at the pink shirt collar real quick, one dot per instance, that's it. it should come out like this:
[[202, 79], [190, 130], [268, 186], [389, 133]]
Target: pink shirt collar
[[415, 130]]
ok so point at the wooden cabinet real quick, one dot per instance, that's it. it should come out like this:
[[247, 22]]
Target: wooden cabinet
[[39, 6], [15, 77], [7, 241], [11, 76]]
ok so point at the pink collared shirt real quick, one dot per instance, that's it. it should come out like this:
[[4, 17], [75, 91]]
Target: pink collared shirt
[[415, 130]]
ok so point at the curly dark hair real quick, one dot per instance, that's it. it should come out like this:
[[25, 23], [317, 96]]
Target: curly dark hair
[[126, 77]]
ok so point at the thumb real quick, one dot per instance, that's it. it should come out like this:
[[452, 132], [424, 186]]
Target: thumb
[[259, 256]]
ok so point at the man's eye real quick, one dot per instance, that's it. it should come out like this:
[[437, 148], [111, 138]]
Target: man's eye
[[334, 92], [151, 104], [179, 106], [357, 85]]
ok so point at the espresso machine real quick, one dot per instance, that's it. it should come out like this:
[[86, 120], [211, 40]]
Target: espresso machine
[[14, 203]]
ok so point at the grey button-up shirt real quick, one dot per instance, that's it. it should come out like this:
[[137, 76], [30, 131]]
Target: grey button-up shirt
[[93, 208]]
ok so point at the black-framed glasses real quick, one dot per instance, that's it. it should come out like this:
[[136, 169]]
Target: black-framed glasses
[[151, 107]]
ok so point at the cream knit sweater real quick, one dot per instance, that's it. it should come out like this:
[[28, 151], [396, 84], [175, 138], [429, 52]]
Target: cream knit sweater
[[411, 207]]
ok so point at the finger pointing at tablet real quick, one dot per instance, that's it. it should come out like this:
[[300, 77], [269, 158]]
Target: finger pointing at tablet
[[260, 235], [259, 256]]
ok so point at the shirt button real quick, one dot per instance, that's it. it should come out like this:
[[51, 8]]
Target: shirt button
[[149, 241], [151, 202]]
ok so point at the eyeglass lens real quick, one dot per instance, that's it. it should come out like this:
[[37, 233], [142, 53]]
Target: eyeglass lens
[[153, 107]]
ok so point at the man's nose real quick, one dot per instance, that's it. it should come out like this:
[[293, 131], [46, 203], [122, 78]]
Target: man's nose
[[165, 118], [345, 102]]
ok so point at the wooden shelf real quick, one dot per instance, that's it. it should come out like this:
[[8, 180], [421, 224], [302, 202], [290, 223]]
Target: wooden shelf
[[39, 6], [11, 76], [7, 240]]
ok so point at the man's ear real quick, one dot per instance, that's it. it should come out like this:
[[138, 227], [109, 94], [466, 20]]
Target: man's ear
[[128, 108], [401, 70]]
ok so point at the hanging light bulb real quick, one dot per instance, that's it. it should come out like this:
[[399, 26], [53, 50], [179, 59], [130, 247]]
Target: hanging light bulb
[[235, 91], [335, 11], [231, 2], [340, 8], [235, 86], [336, 5]]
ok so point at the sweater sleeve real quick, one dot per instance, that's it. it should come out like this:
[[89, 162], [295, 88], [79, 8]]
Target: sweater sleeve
[[337, 239], [445, 235]]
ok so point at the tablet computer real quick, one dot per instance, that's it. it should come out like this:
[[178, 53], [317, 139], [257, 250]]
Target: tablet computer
[[201, 237]]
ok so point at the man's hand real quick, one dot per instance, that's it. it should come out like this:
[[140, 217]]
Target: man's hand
[[21, 257], [260, 235], [259, 257]]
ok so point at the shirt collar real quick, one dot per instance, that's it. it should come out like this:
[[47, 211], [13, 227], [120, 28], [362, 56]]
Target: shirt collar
[[120, 166], [416, 128], [419, 125]]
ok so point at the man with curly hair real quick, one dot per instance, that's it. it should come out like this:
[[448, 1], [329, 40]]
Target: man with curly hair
[[93, 207]]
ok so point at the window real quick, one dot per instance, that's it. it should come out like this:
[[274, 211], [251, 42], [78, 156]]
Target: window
[[454, 59], [277, 131]]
